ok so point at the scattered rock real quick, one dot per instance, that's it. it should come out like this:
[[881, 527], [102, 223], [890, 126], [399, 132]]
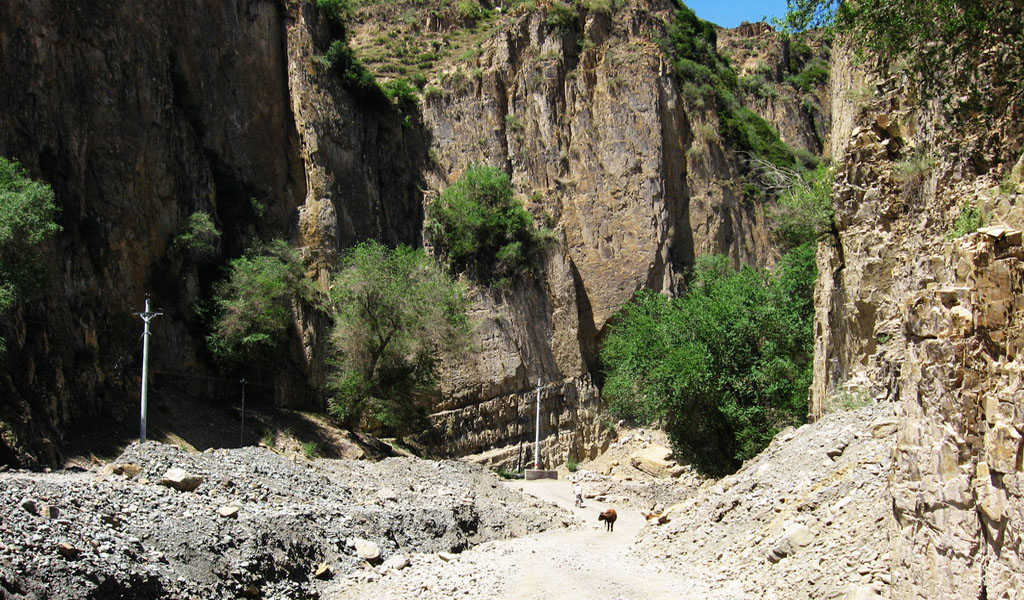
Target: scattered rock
[[396, 562], [323, 572], [29, 505], [883, 428], [67, 550], [180, 480], [125, 469], [366, 550], [228, 511]]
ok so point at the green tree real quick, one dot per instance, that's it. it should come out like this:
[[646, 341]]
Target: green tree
[[254, 303], [395, 313], [804, 211], [482, 228], [927, 33], [27, 219], [198, 238], [724, 366]]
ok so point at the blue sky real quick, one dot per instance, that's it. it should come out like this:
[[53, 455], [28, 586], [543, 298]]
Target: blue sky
[[729, 13]]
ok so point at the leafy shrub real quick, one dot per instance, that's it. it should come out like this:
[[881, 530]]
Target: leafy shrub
[[748, 130], [311, 450], [401, 93], [506, 473], [571, 464], [342, 61], [198, 238], [337, 13], [758, 85], [804, 211], [254, 304], [514, 123], [970, 220], [725, 366], [915, 167], [813, 74], [483, 229], [601, 6], [395, 312], [419, 80], [562, 16], [470, 10], [27, 219]]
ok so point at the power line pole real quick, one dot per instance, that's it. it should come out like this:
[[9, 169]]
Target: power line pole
[[536, 444], [147, 316], [241, 436]]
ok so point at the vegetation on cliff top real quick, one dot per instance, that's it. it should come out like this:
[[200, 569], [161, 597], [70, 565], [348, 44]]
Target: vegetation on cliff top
[[690, 44], [27, 218], [395, 313], [928, 34], [723, 367]]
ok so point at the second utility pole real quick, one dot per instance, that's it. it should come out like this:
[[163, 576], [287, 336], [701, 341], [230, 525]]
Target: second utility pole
[[536, 444], [146, 317]]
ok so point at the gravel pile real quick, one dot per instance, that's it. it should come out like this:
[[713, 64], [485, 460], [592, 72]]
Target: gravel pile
[[254, 524], [807, 518]]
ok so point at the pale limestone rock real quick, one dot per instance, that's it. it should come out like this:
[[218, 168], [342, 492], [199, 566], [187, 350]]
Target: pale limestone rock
[[655, 461], [395, 562], [228, 511], [1001, 445], [180, 480], [366, 550]]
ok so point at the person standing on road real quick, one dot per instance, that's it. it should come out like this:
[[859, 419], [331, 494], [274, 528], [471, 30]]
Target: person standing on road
[[577, 488]]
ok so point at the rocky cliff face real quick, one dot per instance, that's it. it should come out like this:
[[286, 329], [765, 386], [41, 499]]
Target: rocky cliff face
[[631, 173], [139, 121], [908, 312]]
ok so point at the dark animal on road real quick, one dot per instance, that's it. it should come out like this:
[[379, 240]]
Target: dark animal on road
[[608, 517]]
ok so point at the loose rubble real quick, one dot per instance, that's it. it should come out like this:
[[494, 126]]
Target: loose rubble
[[807, 518], [164, 523]]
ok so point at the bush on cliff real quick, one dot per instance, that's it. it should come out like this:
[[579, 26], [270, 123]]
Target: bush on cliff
[[254, 304], [395, 313], [723, 367], [27, 219], [482, 228]]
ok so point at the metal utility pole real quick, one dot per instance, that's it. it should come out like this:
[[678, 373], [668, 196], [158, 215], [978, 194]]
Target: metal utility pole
[[147, 316], [241, 435], [536, 444]]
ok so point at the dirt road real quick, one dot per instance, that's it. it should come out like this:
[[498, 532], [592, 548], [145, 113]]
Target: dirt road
[[585, 563]]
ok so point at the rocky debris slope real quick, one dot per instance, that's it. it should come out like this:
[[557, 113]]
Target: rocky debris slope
[[639, 471], [254, 524], [807, 518]]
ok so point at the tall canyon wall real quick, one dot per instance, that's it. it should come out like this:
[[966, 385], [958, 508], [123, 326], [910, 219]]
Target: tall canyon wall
[[140, 118], [909, 312]]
